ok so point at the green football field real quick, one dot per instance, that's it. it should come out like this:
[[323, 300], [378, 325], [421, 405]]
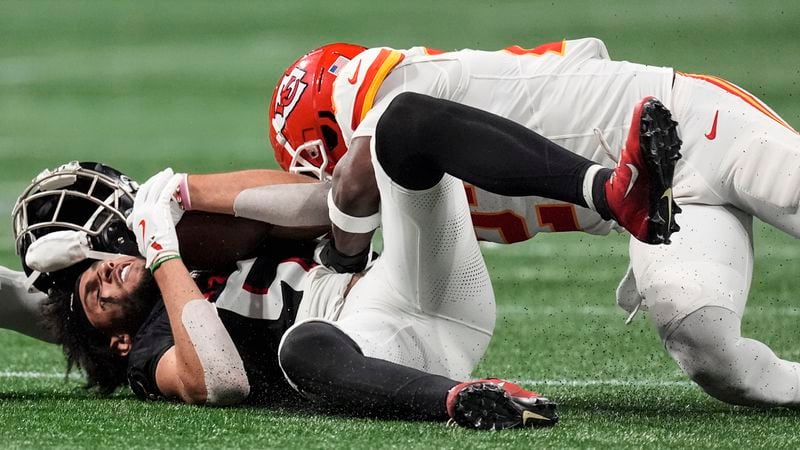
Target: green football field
[[142, 85]]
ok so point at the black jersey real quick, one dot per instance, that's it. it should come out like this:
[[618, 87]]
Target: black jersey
[[257, 302]]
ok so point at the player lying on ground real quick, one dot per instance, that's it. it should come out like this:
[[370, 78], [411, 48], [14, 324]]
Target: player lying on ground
[[740, 160], [114, 324], [359, 345]]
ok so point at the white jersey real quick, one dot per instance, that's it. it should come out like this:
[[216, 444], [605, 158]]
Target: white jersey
[[740, 159], [563, 90]]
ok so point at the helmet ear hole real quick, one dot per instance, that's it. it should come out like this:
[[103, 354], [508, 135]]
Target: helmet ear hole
[[116, 238], [330, 137]]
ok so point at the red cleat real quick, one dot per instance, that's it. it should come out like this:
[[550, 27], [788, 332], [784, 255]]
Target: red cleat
[[639, 192], [493, 404]]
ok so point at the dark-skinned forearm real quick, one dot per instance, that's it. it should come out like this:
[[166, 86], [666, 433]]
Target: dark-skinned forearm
[[355, 192]]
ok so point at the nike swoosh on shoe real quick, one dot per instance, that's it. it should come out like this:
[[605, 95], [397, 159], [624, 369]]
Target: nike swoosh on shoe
[[634, 176]]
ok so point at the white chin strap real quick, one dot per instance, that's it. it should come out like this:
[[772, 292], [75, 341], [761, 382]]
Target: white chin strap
[[59, 250]]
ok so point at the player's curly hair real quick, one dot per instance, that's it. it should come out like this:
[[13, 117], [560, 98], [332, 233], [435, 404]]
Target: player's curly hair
[[85, 347]]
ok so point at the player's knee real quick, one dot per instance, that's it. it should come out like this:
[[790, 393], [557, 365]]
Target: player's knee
[[667, 297], [301, 345], [309, 351], [673, 290], [403, 141], [404, 118], [398, 133], [705, 345]]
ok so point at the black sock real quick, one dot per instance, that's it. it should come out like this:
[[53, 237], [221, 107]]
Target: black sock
[[599, 193], [325, 364], [419, 138]]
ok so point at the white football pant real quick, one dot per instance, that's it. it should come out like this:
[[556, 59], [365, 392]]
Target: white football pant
[[427, 303], [695, 290]]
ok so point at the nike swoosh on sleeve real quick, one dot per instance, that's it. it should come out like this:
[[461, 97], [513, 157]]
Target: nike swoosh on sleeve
[[353, 79], [711, 135]]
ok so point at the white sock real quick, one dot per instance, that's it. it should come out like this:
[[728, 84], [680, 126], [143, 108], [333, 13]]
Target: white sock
[[588, 183]]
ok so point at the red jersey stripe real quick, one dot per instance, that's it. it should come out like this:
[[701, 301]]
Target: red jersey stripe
[[558, 48], [747, 97], [376, 73]]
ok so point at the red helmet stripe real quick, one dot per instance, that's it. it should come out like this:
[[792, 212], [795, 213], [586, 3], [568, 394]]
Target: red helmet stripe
[[376, 73]]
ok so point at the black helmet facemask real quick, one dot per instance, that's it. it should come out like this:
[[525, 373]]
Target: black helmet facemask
[[69, 217]]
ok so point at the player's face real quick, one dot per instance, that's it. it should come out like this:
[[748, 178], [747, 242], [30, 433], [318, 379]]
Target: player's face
[[108, 291]]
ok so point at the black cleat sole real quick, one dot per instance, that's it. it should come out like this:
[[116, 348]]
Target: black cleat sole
[[486, 406], [660, 147]]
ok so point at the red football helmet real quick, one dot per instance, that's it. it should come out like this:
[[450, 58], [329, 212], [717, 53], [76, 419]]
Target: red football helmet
[[302, 124]]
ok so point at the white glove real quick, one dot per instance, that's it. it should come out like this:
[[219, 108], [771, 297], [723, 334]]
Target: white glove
[[61, 249], [154, 216]]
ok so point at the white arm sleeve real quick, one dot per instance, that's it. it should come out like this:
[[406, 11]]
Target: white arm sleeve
[[20, 309], [287, 205], [223, 369]]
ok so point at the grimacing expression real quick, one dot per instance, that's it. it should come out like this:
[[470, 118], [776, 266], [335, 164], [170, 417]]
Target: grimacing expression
[[116, 293]]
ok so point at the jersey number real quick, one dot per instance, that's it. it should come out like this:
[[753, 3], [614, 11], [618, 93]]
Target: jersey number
[[512, 227], [559, 217]]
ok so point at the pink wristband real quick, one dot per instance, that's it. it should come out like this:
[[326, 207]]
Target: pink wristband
[[183, 193]]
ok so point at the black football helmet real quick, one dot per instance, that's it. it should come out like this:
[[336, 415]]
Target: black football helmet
[[86, 197]]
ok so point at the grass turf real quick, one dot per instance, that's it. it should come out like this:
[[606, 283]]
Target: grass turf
[[142, 85]]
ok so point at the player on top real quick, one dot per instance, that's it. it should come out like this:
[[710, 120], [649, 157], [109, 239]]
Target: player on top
[[741, 160], [305, 131]]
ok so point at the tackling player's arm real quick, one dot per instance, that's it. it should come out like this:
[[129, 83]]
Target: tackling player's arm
[[355, 194]]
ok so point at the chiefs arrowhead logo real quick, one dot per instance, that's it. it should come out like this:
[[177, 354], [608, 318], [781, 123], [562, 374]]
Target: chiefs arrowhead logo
[[289, 92]]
